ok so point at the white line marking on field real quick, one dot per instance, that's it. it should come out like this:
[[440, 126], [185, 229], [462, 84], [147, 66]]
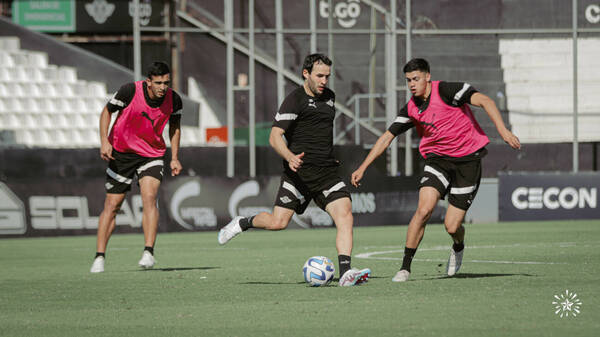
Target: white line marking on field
[[520, 245], [372, 255]]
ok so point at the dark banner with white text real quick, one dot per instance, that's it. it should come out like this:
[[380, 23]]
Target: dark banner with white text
[[548, 196], [67, 207]]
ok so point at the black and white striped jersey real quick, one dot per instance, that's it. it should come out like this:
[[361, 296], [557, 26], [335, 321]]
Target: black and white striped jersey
[[308, 125]]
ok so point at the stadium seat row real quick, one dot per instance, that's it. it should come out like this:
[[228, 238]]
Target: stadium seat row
[[45, 105], [51, 105], [52, 89], [10, 43], [24, 58], [51, 73], [59, 138], [539, 88], [48, 121]]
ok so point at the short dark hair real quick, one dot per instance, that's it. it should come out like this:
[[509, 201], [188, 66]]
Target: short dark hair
[[416, 65], [310, 60], [158, 69]]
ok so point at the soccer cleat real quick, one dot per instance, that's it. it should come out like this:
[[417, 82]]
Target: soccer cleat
[[454, 262], [147, 261], [98, 265], [230, 231], [401, 276], [354, 277]]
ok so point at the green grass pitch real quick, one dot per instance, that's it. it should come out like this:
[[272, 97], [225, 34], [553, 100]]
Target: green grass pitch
[[253, 286]]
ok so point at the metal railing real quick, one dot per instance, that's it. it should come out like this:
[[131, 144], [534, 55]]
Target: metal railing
[[226, 31]]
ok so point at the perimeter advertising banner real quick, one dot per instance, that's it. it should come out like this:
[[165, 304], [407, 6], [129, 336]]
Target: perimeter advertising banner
[[86, 16], [548, 196], [46, 207]]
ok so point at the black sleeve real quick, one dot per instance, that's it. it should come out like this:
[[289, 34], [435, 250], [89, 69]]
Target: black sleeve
[[288, 112], [456, 93], [122, 98], [402, 123], [177, 107]]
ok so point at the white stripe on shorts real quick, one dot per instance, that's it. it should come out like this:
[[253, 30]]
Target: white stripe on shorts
[[462, 190], [335, 187], [118, 177], [438, 174], [157, 162], [293, 189]]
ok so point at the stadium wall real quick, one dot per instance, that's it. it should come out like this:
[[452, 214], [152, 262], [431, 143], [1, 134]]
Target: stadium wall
[[60, 191]]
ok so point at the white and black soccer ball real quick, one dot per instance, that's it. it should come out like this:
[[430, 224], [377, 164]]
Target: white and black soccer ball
[[318, 271]]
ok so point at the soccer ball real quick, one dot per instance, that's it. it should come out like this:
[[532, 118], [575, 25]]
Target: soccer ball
[[318, 271]]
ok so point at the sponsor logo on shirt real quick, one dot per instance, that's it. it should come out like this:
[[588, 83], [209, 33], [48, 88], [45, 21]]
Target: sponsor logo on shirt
[[312, 103], [147, 117], [428, 124], [285, 199], [330, 102]]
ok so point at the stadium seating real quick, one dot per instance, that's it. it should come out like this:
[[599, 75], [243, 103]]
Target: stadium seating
[[45, 105], [539, 88]]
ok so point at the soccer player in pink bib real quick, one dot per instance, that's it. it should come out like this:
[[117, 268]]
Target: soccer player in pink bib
[[135, 147], [452, 144]]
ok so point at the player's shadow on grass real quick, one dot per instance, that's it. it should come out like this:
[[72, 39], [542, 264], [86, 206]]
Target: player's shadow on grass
[[333, 281], [476, 275], [179, 269], [262, 282]]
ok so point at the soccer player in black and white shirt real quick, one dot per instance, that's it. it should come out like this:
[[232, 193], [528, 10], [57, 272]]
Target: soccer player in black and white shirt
[[305, 118], [452, 144]]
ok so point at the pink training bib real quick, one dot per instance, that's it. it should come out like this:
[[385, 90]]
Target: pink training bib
[[139, 127], [446, 130]]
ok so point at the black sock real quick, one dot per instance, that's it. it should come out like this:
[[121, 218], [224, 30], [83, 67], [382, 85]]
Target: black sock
[[458, 246], [409, 253], [150, 250], [246, 223], [99, 254], [344, 263]]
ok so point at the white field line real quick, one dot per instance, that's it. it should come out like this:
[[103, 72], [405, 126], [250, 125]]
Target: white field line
[[514, 245], [373, 255]]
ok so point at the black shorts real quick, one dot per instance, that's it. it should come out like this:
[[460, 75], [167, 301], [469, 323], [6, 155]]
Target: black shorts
[[121, 170], [460, 179], [321, 184]]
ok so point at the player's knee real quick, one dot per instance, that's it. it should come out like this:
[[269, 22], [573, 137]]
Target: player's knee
[[149, 200], [452, 228], [112, 206], [424, 213]]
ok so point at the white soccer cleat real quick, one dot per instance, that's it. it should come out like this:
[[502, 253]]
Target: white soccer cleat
[[454, 262], [98, 265], [401, 276], [354, 277], [230, 231], [147, 261]]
